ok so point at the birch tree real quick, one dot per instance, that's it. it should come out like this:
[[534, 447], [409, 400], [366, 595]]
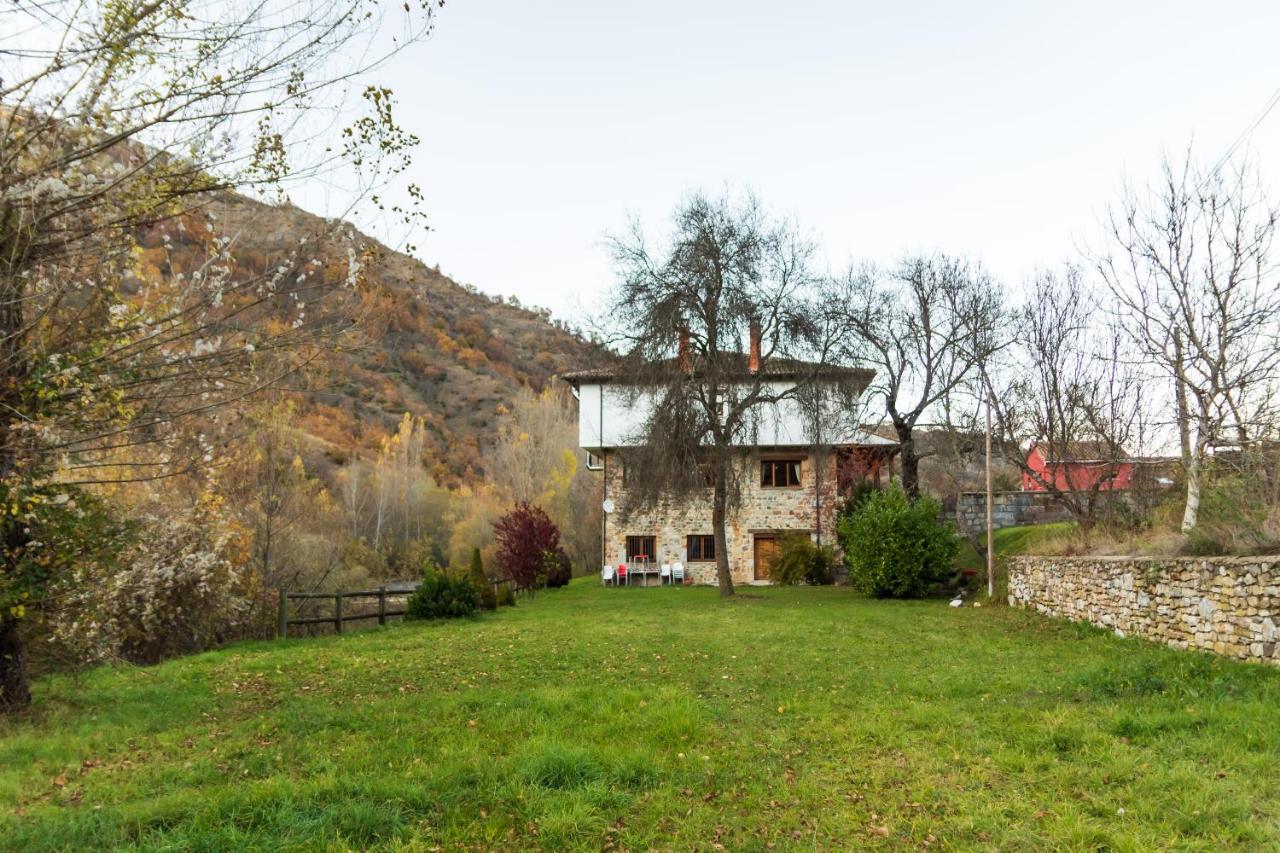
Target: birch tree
[[1069, 387], [1192, 274]]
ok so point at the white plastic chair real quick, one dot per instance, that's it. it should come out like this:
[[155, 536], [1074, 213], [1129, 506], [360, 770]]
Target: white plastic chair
[[664, 574], [607, 576], [677, 573]]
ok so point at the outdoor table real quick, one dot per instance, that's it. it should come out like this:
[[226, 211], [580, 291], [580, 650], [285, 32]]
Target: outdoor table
[[643, 567]]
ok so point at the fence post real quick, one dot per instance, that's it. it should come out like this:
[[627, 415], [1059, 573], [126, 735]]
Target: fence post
[[282, 627], [337, 613], [382, 605]]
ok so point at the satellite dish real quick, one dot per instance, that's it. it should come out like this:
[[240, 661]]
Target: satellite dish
[[607, 506]]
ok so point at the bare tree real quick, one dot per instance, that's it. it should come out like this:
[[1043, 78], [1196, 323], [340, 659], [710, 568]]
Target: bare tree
[[925, 327], [128, 123], [680, 315], [1194, 283], [1072, 391]]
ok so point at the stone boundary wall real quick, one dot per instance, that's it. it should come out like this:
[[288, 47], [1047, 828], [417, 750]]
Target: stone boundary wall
[[1228, 605], [1009, 509]]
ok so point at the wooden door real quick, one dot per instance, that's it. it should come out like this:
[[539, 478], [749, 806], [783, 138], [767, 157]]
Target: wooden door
[[766, 553]]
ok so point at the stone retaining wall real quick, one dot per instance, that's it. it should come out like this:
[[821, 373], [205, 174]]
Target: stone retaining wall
[[1008, 509], [1228, 605]]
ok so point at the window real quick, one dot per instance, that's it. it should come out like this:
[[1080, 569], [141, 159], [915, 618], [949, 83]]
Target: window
[[640, 546], [594, 463], [779, 473], [701, 548]]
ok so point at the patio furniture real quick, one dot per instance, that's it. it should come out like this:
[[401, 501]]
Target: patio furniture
[[677, 573], [642, 565], [665, 575], [607, 576], [622, 574]]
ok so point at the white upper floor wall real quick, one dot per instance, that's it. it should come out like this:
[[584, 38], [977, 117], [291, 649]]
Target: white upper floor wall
[[612, 416]]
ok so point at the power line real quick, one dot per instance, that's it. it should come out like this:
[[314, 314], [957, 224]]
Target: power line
[[1248, 131]]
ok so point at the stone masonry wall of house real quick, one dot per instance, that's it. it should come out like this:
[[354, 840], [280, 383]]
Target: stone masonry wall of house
[[761, 511], [1228, 605]]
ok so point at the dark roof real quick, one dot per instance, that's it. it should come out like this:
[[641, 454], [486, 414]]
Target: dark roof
[[777, 368]]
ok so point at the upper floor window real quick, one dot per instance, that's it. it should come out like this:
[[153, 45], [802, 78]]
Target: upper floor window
[[779, 473]]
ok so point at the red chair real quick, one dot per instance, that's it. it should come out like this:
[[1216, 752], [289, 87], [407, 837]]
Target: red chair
[[622, 573]]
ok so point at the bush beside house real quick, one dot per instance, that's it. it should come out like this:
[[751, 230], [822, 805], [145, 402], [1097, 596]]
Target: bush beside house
[[897, 548], [801, 560]]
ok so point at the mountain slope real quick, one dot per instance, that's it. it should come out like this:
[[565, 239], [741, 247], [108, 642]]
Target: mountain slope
[[427, 345]]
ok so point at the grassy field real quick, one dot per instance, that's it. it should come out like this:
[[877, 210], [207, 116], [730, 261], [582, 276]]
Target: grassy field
[[1010, 542], [660, 718]]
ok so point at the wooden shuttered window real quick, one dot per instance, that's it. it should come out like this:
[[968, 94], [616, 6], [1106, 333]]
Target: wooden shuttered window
[[780, 473]]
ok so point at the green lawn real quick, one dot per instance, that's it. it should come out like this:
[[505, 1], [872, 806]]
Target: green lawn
[[660, 718], [1010, 542]]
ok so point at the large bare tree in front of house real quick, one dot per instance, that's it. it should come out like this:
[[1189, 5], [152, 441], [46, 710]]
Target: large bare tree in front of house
[[925, 327], [1069, 387], [1193, 278], [126, 311], [680, 314]]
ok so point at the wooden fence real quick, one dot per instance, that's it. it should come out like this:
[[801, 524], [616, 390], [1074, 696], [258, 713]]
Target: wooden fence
[[339, 617], [382, 613]]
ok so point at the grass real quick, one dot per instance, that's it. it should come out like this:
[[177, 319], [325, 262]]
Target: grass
[[660, 718], [1012, 541]]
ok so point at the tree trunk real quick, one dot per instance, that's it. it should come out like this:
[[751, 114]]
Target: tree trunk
[[719, 507], [1180, 399], [1191, 514], [910, 462], [15, 691]]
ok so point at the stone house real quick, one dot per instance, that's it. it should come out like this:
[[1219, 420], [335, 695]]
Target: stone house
[[789, 484]]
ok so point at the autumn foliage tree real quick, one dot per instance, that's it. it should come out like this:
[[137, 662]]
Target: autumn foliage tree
[[126, 323], [528, 541]]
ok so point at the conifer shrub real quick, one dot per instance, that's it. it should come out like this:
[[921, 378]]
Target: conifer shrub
[[897, 548], [559, 569], [484, 587], [801, 560], [443, 596]]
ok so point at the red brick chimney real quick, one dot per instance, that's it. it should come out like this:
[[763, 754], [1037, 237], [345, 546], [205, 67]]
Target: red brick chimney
[[684, 356], [753, 360]]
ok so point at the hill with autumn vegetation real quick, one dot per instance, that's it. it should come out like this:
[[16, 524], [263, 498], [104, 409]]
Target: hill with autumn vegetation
[[426, 344]]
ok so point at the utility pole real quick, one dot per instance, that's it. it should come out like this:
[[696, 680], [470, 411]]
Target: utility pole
[[991, 536]]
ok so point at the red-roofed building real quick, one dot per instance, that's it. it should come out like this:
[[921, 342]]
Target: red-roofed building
[[1077, 466]]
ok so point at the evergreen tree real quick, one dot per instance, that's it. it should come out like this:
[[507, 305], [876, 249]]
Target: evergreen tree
[[488, 598]]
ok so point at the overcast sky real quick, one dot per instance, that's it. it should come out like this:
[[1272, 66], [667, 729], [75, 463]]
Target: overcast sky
[[999, 130]]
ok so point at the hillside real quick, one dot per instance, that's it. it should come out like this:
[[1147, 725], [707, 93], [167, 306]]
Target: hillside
[[794, 718], [427, 344]]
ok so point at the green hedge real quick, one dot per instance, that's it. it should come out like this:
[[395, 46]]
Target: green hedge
[[897, 548]]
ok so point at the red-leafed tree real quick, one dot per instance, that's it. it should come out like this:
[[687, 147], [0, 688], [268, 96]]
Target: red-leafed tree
[[528, 540]]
